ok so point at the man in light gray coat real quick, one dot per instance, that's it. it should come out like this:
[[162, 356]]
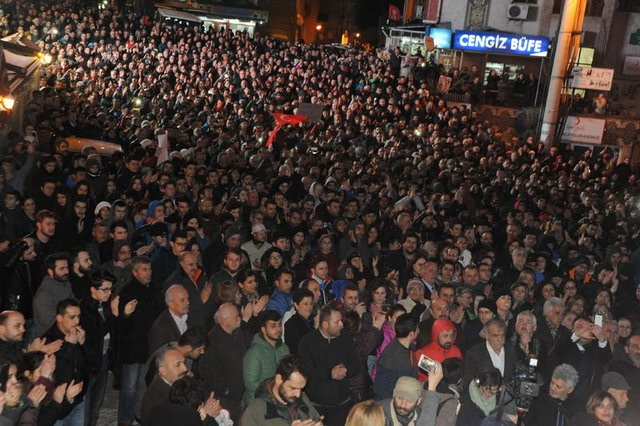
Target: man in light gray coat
[[55, 287]]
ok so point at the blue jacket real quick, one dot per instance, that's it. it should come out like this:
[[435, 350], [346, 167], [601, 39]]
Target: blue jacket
[[280, 302]]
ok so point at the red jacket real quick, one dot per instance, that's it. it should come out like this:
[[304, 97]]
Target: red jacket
[[433, 350]]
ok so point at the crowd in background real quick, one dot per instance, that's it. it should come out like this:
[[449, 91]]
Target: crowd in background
[[397, 250]]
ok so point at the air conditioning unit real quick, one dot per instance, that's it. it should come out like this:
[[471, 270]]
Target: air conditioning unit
[[518, 11]]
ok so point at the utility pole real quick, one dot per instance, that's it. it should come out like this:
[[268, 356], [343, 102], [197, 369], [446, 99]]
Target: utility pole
[[566, 50]]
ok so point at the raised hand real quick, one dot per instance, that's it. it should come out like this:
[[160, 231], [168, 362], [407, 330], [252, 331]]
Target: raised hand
[[260, 304], [82, 335], [247, 312], [53, 347], [212, 406], [71, 337], [114, 305], [73, 390], [378, 320], [59, 393], [130, 307], [37, 394], [48, 366]]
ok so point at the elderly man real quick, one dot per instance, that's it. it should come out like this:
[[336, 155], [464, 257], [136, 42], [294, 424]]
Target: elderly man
[[171, 367], [172, 322], [524, 340], [189, 275], [492, 353], [551, 333], [221, 365]]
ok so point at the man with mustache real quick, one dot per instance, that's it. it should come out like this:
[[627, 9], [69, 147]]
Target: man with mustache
[[171, 368], [281, 401]]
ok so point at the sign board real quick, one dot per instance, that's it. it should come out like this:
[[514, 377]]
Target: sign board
[[631, 65], [592, 78], [441, 37], [583, 130], [313, 111], [429, 44], [512, 44]]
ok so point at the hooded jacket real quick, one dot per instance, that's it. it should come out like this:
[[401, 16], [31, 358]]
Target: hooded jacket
[[433, 350]]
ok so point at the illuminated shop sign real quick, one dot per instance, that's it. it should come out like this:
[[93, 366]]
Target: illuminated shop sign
[[513, 44]]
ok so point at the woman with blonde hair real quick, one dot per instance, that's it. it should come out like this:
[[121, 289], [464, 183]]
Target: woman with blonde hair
[[366, 413]]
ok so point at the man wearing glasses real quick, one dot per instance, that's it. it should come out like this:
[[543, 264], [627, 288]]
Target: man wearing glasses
[[97, 318]]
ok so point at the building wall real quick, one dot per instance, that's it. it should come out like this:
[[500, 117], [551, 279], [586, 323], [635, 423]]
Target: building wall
[[609, 34], [282, 18]]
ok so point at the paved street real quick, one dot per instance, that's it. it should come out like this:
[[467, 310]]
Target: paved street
[[109, 412]]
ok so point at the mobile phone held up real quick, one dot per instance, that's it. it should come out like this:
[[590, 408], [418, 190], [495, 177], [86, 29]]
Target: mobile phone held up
[[426, 363]]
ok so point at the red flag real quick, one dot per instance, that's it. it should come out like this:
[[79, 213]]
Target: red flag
[[281, 120], [394, 13]]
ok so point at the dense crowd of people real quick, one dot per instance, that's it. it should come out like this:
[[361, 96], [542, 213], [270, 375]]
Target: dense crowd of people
[[397, 262]]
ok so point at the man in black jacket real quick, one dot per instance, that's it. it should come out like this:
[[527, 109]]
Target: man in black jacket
[[71, 363], [132, 328], [492, 353], [220, 368], [97, 318], [21, 285], [551, 334], [173, 321], [171, 368], [332, 359]]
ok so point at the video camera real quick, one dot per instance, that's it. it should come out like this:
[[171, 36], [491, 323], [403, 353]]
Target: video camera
[[525, 385]]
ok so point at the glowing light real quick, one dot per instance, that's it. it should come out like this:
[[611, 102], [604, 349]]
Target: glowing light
[[7, 102]]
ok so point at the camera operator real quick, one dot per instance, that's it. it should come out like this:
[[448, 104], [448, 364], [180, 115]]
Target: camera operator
[[527, 345], [20, 286], [525, 384]]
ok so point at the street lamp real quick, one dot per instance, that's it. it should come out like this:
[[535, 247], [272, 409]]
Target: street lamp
[[319, 27], [7, 103], [45, 58]]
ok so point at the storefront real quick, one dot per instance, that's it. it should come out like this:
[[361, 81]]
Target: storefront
[[412, 39], [222, 14], [507, 54]]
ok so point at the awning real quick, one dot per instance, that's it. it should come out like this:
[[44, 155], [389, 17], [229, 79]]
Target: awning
[[178, 14], [19, 59]]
